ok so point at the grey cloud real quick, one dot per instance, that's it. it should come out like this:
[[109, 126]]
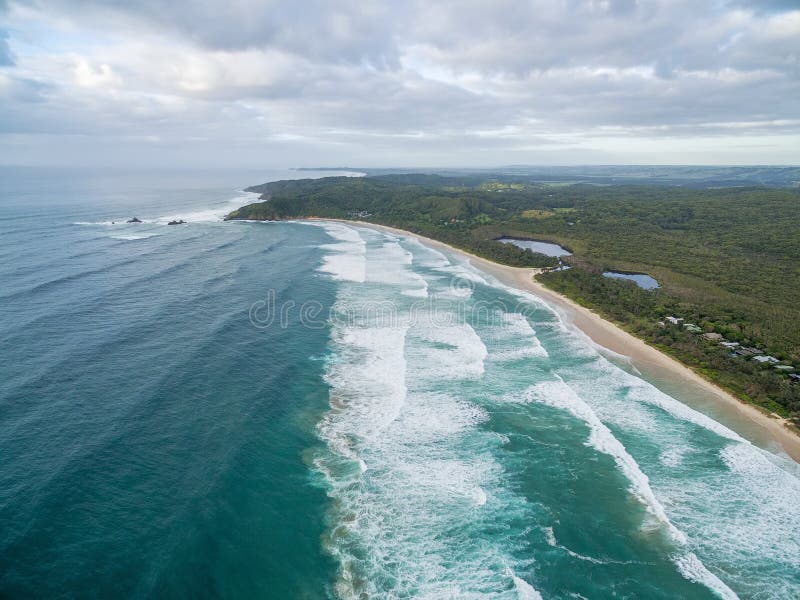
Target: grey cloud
[[515, 38], [349, 31], [451, 78], [761, 6], [6, 56]]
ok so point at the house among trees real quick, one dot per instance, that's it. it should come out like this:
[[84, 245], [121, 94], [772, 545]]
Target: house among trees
[[766, 359], [674, 320], [745, 351], [713, 336]]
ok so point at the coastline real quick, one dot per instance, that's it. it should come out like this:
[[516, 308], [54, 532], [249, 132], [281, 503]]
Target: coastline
[[661, 370]]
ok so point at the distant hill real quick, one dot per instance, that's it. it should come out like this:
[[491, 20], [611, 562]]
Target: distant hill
[[687, 176]]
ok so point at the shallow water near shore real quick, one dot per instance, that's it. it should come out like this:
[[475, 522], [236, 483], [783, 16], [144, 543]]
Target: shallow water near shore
[[322, 410]]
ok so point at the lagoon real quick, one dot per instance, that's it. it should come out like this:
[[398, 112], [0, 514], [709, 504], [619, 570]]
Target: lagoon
[[546, 248], [642, 280]]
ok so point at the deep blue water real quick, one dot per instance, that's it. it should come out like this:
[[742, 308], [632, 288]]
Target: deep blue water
[[151, 436], [288, 410]]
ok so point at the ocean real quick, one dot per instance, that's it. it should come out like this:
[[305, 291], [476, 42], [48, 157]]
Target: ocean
[[319, 410]]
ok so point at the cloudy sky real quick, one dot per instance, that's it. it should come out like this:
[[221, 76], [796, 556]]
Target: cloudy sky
[[427, 83]]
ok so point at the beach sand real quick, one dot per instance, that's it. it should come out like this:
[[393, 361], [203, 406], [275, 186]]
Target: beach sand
[[666, 373]]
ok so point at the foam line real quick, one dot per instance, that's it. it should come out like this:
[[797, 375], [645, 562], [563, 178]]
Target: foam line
[[346, 259], [559, 395]]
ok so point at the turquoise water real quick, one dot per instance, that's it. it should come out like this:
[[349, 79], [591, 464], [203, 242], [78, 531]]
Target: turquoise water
[[289, 410], [643, 281]]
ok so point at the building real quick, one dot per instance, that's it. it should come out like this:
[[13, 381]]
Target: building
[[745, 351], [766, 359], [692, 328], [729, 344], [674, 320], [715, 337]]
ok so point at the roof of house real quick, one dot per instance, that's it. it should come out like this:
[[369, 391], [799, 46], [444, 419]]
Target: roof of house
[[763, 359]]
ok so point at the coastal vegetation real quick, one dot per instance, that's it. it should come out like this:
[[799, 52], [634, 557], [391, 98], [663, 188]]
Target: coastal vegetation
[[727, 259]]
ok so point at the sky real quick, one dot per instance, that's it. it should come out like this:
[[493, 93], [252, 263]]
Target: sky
[[426, 83]]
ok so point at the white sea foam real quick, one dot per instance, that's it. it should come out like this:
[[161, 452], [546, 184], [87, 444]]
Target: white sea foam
[[458, 280], [434, 416], [694, 570], [550, 537], [513, 338], [465, 272], [517, 324], [346, 259], [767, 524], [424, 255], [641, 391], [131, 238], [368, 385], [525, 591], [560, 395], [343, 266], [211, 214], [410, 491], [448, 352], [673, 456], [407, 516], [390, 264]]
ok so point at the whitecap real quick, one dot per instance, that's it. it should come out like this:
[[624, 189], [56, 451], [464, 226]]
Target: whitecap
[[390, 264], [368, 385], [513, 338], [525, 591], [694, 570], [559, 395], [448, 352], [345, 260], [132, 237]]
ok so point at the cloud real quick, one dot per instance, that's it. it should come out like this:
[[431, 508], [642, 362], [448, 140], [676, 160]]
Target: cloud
[[764, 6], [429, 80], [349, 31], [6, 57]]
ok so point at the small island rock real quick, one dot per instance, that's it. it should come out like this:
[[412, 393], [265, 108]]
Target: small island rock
[[133, 220]]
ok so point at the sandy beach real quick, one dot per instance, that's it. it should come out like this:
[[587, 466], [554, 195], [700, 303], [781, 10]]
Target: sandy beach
[[661, 370]]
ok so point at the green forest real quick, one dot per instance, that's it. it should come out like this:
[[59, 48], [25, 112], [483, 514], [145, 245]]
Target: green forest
[[727, 259]]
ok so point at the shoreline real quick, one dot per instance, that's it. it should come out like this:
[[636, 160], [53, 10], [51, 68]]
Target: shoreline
[[661, 370]]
